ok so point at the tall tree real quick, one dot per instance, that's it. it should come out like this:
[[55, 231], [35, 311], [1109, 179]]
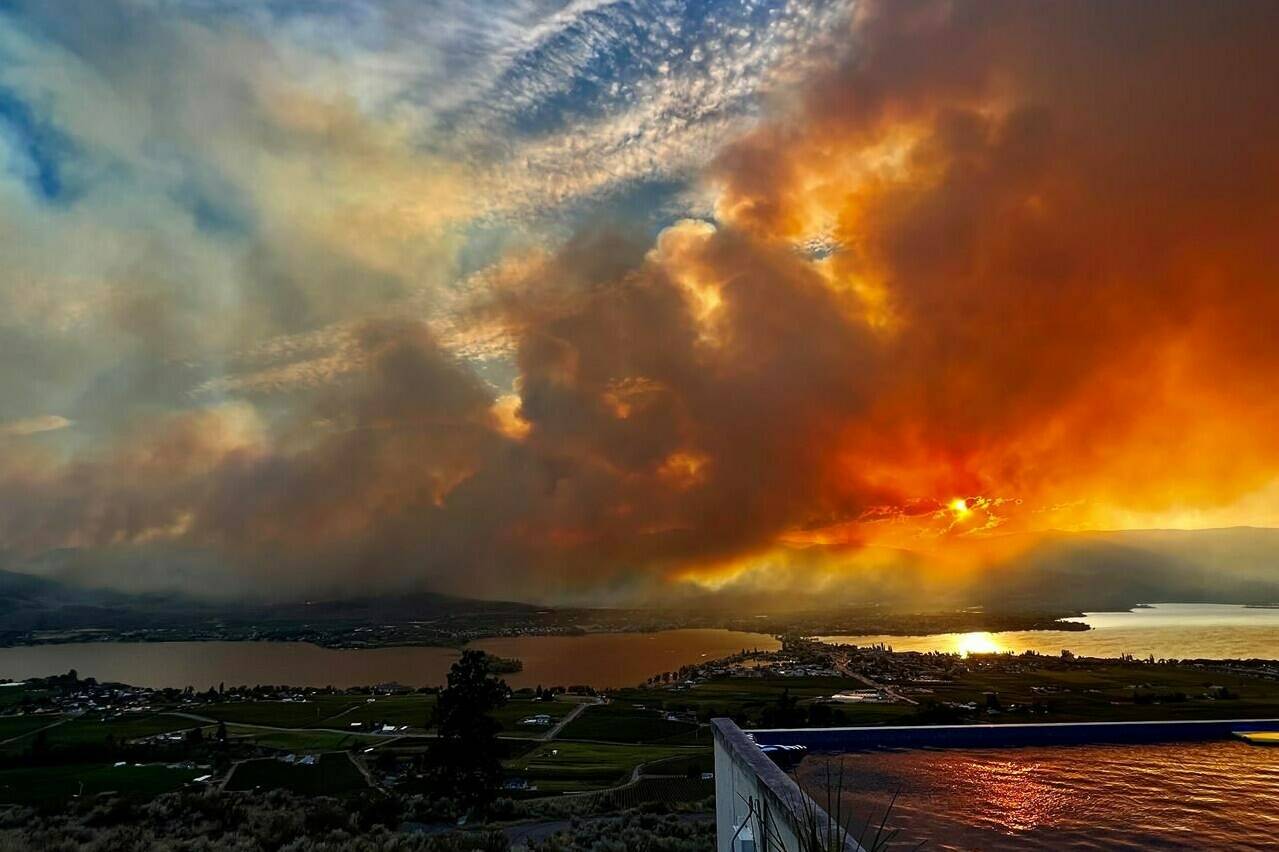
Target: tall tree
[[466, 756]]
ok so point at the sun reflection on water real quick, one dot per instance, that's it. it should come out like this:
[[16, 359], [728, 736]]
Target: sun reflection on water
[[1080, 798], [1016, 799], [977, 643]]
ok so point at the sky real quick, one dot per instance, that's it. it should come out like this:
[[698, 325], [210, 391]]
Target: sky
[[616, 301]]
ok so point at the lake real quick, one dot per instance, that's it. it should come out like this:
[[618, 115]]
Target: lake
[[597, 659], [1181, 631], [620, 659], [1204, 795]]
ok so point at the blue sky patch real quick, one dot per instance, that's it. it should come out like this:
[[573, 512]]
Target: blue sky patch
[[38, 152]]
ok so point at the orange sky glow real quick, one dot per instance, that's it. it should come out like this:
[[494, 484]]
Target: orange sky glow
[[971, 275]]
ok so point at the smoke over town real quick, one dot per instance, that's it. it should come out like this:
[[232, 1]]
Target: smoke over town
[[962, 275]]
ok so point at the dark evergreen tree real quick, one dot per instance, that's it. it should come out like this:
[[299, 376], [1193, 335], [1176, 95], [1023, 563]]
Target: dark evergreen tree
[[466, 757]]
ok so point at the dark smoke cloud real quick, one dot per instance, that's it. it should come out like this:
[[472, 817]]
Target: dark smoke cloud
[[1054, 247]]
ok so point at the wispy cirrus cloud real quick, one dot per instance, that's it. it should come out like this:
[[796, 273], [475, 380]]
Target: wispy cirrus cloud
[[246, 170], [325, 290]]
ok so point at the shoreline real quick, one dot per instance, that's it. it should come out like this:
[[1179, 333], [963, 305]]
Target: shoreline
[[104, 635]]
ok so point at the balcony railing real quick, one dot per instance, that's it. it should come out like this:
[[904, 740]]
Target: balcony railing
[[759, 808]]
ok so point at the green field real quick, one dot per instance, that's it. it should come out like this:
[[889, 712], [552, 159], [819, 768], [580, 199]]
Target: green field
[[417, 711], [18, 726], [624, 722], [745, 698], [1096, 693], [54, 783], [91, 731], [413, 710], [335, 773], [1070, 693], [510, 714], [312, 713], [570, 766], [86, 731], [312, 741]]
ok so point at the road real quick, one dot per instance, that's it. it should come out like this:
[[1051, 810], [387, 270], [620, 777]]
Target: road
[[550, 734], [33, 733], [570, 716], [888, 690], [295, 730]]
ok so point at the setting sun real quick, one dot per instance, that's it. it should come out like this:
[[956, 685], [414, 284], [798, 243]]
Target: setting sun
[[466, 349], [976, 643]]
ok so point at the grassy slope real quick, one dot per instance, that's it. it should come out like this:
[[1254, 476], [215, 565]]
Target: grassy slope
[[54, 783], [623, 722]]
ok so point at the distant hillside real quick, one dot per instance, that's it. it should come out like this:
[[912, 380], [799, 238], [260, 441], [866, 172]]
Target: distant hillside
[[1116, 570], [1054, 573], [28, 602]]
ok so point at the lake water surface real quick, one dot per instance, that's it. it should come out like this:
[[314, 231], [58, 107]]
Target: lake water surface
[[1215, 795], [1180, 631], [620, 659], [598, 659]]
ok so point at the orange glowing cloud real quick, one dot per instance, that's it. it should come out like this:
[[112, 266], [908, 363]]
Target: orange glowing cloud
[[1072, 252], [1004, 268]]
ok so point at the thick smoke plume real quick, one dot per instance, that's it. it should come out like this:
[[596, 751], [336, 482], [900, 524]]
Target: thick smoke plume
[[1001, 267]]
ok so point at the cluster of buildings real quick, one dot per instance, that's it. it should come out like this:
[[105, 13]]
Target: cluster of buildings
[[751, 664], [69, 695]]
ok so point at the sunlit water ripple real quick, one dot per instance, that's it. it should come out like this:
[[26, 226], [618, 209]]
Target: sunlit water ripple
[[1168, 631], [1216, 795]]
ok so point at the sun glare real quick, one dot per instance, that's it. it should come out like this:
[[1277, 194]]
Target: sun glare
[[976, 643], [960, 507]]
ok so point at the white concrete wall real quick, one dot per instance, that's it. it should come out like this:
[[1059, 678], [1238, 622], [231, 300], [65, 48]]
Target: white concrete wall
[[744, 776], [737, 787]]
